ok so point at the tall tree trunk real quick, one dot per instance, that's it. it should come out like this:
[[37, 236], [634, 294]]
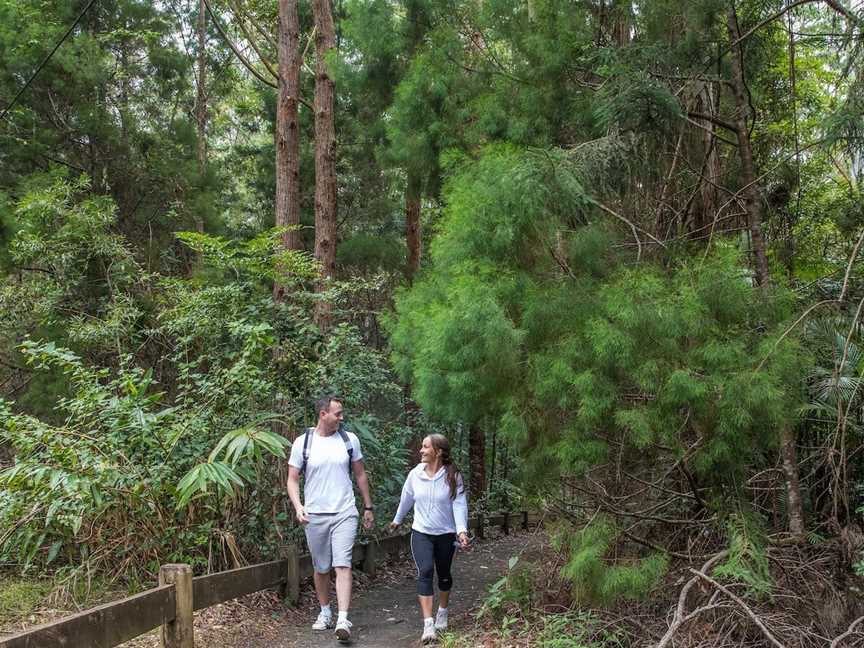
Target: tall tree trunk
[[708, 202], [201, 102], [750, 191], [287, 203], [753, 205], [288, 131], [476, 461], [325, 155], [413, 233], [493, 457], [622, 22], [418, 23], [789, 458]]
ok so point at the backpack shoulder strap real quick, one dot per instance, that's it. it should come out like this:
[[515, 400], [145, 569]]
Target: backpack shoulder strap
[[349, 447], [307, 444]]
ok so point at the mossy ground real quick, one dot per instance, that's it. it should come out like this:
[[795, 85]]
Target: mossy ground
[[20, 597]]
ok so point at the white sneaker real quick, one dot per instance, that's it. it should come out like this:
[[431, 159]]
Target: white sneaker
[[323, 622], [441, 621], [343, 630], [429, 635]]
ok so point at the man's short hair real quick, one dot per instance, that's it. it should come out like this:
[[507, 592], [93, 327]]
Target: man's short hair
[[323, 402]]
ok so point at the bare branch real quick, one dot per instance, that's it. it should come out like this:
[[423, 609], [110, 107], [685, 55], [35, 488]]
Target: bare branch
[[833, 4], [849, 268], [633, 227], [843, 11], [742, 605], [238, 9], [236, 51], [715, 120], [769, 19], [839, 638], [680, 618], [251, 41], [839, 300]]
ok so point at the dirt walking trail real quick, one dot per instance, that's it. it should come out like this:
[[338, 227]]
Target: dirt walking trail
[[387, 614], [384, 610]]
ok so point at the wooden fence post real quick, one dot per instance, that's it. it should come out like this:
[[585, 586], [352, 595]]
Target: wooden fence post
[[480, 533], [369, 558], [525, 520], [290, 590], [506, 525], [179, 633]]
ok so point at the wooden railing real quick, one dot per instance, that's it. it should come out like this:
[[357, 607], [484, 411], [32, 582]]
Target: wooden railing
[[171, 604]]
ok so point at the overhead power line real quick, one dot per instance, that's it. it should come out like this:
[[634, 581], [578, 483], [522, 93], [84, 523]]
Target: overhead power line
[[47, 58]]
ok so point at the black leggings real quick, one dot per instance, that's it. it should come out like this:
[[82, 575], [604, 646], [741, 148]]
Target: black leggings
[[433, 553]]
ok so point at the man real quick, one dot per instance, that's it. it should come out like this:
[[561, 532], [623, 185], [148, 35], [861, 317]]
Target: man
[[329, 456]]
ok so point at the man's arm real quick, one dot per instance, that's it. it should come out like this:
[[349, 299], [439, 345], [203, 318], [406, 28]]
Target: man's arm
[[294, 494], [359, 469]]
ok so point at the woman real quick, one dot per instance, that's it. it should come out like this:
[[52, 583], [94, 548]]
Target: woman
[[437, 492]]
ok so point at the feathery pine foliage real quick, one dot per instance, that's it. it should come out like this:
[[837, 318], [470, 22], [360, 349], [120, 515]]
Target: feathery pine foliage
[[531, 316], [594, 580]]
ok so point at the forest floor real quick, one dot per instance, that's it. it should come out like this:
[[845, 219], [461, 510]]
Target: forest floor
[[809, 604], [384, 610]]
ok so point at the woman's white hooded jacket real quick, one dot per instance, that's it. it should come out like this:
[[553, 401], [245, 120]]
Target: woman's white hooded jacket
[[434, 512]]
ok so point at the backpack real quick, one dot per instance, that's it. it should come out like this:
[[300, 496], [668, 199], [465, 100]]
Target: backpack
[[307, 445]]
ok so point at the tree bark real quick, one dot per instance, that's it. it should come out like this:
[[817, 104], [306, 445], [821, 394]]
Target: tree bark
[[789, 457], [417, 22], [413, 232], [201, 96], [708, 198], [288, 131], [753, 206], [750, 189], [325, 155], [476, 461], [201, 103], [287, 204], [622, 22]]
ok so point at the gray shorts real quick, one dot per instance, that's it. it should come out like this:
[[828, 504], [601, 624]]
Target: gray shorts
[[330, 538]]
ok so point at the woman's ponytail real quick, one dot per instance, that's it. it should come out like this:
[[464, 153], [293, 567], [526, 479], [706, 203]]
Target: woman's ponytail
[[439, 442]]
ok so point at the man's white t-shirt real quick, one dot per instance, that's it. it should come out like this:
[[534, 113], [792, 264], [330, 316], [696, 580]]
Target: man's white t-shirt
[[328, 487]]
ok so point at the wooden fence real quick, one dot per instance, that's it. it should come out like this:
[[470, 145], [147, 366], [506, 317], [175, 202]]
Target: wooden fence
[[171, 604]]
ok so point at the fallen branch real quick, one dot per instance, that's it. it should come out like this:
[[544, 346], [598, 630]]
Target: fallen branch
[[836, 641], [680, 618], [742, 605]]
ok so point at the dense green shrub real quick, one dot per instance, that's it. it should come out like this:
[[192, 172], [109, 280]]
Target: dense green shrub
[[174, 401], [591, 364]]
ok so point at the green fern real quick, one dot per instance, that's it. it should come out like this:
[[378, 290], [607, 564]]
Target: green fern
[[747, 561]]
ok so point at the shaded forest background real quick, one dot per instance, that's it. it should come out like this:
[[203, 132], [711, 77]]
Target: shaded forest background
[[611, 249]]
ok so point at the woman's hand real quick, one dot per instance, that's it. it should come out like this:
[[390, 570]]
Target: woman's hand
[[393, 526], [464, 540]]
